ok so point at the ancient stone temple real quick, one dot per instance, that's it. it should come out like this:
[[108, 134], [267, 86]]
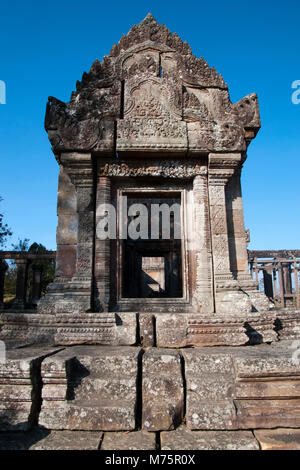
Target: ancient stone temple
[[152, 128], [152, 123]]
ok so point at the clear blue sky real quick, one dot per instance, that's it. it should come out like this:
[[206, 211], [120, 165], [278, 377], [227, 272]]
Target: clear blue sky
[[46, 46]]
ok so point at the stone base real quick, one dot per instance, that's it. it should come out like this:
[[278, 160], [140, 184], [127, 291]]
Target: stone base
[[168, 330], [103, 388], [180, 439], [215, 329], [242, 388], [66, 296], [71, 329]]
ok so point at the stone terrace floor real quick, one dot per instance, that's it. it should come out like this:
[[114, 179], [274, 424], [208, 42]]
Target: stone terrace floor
[[180, 439]]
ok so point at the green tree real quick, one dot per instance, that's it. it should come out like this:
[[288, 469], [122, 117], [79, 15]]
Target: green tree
[[22, 245], [5, 231]]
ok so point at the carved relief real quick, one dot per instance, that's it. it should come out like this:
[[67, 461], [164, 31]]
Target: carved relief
[[154, 67], [166, 169]]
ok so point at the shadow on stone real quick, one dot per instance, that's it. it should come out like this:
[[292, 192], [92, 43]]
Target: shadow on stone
[[254, 336], [75, 373], [16, 440]]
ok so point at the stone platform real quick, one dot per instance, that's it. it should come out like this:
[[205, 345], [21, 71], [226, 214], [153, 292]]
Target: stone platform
[[167, 330], [154, 398], [180, 439]]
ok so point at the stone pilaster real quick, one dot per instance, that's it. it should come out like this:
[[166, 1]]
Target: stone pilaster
[[228, 298], [71, 290], [236, 227], [80, 169], [102, 251], [203, 291]]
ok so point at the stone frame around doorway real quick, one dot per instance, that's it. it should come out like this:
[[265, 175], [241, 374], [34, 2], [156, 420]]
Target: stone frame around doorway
[[152, 304]]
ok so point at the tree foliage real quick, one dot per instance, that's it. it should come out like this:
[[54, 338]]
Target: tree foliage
[[5, 231]]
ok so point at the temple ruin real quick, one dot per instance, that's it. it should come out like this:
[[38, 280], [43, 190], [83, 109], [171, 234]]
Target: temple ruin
[[152, 125]]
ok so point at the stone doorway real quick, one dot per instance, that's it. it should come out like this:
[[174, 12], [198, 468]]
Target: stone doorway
[[153, 268]]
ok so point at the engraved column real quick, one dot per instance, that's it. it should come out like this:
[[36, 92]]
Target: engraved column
[[202, 247], [228, 298], [102, 251], [236, 227]]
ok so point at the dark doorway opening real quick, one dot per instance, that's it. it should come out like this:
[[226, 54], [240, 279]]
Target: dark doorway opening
[[152, 268]]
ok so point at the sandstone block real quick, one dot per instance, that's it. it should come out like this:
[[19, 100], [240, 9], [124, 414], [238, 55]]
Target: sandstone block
[[278, 439], [162, 390], [139, 440], [183, 439], [20, 387], [96, 389], [69, 440]]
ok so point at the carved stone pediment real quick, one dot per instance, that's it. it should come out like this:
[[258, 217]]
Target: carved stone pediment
[[151, 94], [152, 117]]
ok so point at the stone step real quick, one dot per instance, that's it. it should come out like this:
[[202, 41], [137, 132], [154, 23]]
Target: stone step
[[137, 440], [90, 388], [183, 439], [97, 415], [110, 387]]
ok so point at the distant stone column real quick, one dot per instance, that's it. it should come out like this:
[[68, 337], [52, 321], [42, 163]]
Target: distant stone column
[[268, 281], [102, 251], [203, 291], [3, 269], [36, 284], [21, 284], [287, 278]]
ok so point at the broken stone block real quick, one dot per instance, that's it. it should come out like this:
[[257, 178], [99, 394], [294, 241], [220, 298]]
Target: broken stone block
[[20, 387], [184, 439], [96, 389], [162, 390], [278, 439], [138, 440]]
